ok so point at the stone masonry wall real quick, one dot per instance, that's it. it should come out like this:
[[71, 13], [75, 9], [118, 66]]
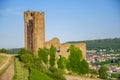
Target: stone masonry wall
[[64, 48], [34, 30]]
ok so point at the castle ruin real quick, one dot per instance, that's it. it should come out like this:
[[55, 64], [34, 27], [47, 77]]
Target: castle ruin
[[34, 26]]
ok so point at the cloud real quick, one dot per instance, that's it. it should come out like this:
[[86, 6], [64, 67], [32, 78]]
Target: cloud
[[14, 11]]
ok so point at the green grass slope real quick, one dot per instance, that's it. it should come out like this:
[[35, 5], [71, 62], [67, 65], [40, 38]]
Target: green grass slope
[[37, 75], [21, 73]]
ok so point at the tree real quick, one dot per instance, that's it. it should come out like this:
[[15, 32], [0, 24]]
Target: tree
[[93, 71], [75, 62], [118, 78], [85, 67], [3, 50], [62, 63], [115, 75], [52, 55], [43, 54], [103, 72], [26, 56], [24, 51]]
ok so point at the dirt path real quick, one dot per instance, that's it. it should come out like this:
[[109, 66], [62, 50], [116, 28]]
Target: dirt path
[[7, 67], [70, 77], [6, 62]]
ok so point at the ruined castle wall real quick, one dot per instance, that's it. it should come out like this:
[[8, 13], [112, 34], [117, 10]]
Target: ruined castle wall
[[55, 42], [82, 47], [35, 36], [64, 49]]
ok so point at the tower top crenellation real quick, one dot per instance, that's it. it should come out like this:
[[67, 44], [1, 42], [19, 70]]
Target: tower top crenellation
[[29, 14]]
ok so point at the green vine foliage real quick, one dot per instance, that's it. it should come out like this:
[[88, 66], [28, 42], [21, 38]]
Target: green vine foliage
[[43, 54], [75, 62], [62, 63], [52, 55]]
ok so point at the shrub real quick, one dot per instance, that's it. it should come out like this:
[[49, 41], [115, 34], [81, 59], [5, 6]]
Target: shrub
[[85, 67], [43, 54], [27, 57], [118, 77], [115, 75], [75, 62], [24, 51], [56, 74], [93, 71], [62, 63], [103, 72], [52, 55], [3, 50]]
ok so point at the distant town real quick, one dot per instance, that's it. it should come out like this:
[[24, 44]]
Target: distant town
[[96, 58]]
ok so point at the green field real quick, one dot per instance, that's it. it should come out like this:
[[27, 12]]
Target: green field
[[21, 73], [37, 75]]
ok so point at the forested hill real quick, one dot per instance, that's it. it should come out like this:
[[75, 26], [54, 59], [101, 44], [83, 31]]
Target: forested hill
[[101, 43]]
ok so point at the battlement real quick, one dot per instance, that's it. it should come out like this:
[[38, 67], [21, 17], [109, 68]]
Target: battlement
[[31, 14]]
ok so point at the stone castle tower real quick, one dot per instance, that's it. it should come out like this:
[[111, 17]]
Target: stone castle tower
[[35, 36], [34, 27]]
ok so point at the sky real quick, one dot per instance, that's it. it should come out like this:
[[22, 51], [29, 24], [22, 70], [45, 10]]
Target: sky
[[69, 20]]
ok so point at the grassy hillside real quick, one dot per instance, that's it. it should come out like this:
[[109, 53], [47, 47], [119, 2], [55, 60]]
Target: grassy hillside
[[21, 73], [101, 43], [37, 75]]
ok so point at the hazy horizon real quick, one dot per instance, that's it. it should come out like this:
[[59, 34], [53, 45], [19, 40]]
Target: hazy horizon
[[76, 20]]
